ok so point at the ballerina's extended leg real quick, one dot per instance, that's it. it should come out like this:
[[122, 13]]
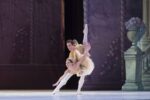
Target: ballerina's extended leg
[[62, 83], [85, 36], [80, 84]]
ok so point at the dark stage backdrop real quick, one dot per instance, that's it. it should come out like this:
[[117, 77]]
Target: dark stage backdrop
[[108, 40], [32, 49], [31, 43]]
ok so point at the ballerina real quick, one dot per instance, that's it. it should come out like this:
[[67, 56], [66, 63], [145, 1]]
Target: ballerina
[[78, 63]]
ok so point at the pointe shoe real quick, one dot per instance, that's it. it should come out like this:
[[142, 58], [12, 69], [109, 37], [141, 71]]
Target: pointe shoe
[[55, 92], [78, 92]]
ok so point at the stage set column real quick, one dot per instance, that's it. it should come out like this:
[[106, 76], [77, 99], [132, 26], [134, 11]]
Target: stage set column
[[145, 41], [137, 59]]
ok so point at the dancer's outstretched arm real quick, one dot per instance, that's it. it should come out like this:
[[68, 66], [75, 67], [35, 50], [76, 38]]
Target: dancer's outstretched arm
[[55, 84]]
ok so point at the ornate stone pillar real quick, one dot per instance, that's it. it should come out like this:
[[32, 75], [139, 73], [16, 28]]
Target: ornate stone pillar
[[132, 68], [145, 46], [137, 71], [132, 65], [145, 41]]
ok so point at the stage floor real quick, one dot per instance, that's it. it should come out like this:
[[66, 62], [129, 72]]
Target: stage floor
[[71, 95]]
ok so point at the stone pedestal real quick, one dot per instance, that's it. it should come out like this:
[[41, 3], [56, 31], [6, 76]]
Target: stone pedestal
[[132, 66]]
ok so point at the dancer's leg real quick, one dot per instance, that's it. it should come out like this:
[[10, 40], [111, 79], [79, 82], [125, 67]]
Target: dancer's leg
[[80, 84], [85, 36], [55, 84], [62, 82]]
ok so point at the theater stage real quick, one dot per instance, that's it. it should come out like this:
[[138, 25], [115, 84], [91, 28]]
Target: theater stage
[[71, 95]]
